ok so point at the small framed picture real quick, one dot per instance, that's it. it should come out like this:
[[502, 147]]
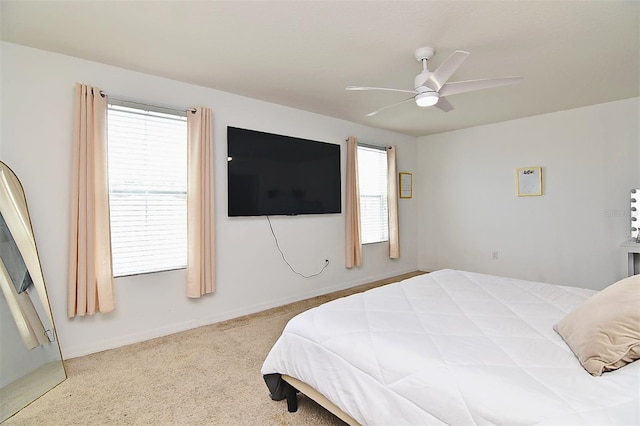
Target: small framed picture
[[529, 181], [406, 185]]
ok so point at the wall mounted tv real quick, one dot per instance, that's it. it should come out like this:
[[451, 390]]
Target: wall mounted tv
[[281, 175]]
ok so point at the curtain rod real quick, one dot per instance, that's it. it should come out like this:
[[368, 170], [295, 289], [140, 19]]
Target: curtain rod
[[154, 107], [372, 146]]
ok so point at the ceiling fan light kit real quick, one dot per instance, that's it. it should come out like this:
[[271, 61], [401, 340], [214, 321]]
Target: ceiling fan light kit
[[426, 99], [430, 88]]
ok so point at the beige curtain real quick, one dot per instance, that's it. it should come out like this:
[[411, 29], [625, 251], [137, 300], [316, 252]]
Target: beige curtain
[[90, 270], [200, 204], [352, 207], [392, 194]]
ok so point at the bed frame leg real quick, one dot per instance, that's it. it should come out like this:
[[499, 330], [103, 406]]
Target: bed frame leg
[[292, 398]]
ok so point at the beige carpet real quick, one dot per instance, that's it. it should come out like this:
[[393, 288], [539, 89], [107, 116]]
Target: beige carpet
[[206, 376]]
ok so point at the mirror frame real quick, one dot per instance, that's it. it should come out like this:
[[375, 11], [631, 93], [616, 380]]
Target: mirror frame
[[40, 368]]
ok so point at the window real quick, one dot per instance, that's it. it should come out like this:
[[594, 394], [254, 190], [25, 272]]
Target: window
[[147, 154], [372, 179]]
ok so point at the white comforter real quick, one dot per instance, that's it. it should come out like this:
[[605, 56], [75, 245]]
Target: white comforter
[[453, 347]]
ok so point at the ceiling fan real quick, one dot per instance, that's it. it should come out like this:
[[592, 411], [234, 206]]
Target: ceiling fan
[[432, 87]]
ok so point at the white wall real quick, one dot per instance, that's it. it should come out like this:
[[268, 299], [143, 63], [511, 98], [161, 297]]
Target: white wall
[[571, 234], [37, 107]]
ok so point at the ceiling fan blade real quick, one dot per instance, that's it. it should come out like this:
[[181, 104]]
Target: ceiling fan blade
[[390, 106], [379, 88], [446, 69], [444, 104], [468, 86]]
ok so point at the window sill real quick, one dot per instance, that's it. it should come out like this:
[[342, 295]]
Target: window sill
[[375, 242], [150, 272]]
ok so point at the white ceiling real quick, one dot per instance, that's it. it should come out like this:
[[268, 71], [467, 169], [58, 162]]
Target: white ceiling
[[304, 53]]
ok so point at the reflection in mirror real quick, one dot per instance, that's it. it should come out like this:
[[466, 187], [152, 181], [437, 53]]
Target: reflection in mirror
[[30, 358]]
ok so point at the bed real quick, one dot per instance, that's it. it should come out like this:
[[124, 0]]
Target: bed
[[451, 347]]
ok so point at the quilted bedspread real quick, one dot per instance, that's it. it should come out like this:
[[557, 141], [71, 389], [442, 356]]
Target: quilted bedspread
[[453, 347]]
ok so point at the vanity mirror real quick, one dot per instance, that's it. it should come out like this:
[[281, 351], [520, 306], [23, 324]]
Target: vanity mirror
[[30, 358], [635, 214]]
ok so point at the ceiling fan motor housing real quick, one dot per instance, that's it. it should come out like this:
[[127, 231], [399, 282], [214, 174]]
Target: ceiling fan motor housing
[[420, 80]]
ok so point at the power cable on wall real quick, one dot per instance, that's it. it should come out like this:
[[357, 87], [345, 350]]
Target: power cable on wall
[[326, 262]]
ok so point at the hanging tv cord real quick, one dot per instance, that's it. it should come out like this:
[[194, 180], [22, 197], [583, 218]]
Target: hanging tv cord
[[326, 261]]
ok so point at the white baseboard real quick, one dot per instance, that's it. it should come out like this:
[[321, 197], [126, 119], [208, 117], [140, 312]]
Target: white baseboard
[[82, 350]]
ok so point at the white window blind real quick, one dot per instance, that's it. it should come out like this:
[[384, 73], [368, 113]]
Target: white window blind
[[147, 154], [372, 179]]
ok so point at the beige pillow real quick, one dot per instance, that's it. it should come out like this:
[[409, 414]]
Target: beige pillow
[[604, 332]]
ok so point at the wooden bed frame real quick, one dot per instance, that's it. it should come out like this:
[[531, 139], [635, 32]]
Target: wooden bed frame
[[319, 398]]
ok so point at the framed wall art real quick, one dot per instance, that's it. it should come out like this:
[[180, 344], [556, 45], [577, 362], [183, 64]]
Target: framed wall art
[[529, 181], [406, 185]]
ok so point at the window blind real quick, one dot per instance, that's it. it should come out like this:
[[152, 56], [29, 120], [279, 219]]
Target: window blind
[[147, 154], [372, 180]]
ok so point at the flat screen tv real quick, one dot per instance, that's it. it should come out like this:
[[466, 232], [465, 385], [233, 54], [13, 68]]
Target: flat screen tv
[[281, 175]]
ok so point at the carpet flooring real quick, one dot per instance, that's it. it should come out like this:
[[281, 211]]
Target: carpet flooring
[[205, 376]]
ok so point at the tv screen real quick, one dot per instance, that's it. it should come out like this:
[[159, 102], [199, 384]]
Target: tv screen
[[281, 175]]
